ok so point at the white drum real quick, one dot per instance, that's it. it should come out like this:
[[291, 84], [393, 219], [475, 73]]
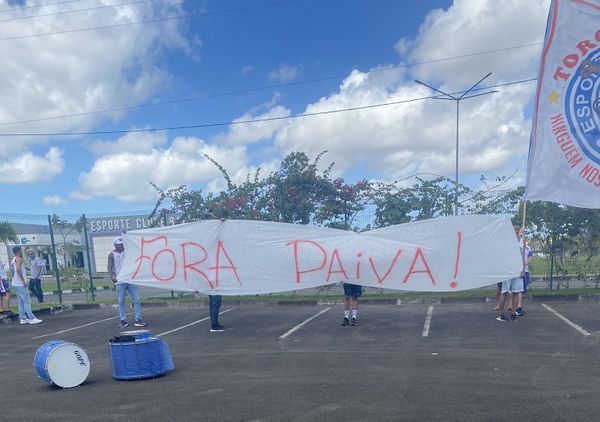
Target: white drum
[[64, 364]]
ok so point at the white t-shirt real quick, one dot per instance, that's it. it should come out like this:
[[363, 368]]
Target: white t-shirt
[[37, 266], [118, 260], [3, 275], [16, 281]]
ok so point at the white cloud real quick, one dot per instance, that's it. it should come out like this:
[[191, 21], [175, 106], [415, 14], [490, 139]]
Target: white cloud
[[133, 142], [403, 45], [127, 175], [284, 73], [81, 72], [54, 200], [471, 26], [246, 133], [396, 141], [30, 168]]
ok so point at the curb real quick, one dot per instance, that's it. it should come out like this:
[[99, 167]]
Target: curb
[[68, 291]]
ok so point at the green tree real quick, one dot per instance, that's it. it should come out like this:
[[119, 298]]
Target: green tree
[[294, 193], [64, 229], [7, 233]]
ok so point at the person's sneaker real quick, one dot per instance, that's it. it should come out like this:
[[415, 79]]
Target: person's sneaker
[[35, 321], [140, 323], [513, 317], [345, 322], [123, 324], [24, 321], [218, 329], [501, 317], [354, 323], [520, 312]]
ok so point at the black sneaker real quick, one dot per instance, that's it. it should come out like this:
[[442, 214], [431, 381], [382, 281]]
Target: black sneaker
[[140, 323], [513, 317], [345, 322], [520, 312], [354, 323], [218, 329], [123, 324], [501, 317]]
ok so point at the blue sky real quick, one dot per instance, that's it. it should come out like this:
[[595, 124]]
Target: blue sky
[[262, 44]]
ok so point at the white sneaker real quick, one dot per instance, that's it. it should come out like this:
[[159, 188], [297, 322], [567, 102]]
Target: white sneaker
[[24, 321], [35, 321]]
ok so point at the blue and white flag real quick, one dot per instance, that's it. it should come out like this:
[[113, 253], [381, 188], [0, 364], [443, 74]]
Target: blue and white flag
[[564, 154]]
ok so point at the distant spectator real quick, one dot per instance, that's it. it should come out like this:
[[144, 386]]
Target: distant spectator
[[36, 268], [4, 290], [115, 259], [19, 283]]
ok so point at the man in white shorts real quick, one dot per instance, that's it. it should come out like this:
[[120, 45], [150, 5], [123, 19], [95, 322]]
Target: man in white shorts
[[515, 285]]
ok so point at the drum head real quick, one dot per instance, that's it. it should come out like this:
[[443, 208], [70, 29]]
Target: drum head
[[68, 365]]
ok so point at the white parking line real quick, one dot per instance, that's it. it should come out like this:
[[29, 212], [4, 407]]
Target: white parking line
[[78, 327], [191, 323], [427, 322], [565, 319], [302, 324]]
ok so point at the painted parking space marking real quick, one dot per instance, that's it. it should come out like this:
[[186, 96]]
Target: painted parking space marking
[[78, 327], [192, 323], [303, 323], [565, 319], [427, 322]]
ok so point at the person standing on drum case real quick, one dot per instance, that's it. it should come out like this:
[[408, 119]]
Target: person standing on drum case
[[4, 290], [115, 259], [19, 282]]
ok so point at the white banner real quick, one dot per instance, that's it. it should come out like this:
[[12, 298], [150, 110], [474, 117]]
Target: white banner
[[564, 155], [236, 257]]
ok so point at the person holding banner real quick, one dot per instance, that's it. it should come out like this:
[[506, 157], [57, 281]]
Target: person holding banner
[[515, 286], [115, 259], [351, 294], [527, 258], [214, 304]]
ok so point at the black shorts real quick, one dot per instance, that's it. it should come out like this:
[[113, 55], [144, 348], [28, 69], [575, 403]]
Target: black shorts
[[352, 290]]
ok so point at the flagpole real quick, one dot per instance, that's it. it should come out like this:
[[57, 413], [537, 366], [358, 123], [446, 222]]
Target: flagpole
[[523, 257], [524, 213]]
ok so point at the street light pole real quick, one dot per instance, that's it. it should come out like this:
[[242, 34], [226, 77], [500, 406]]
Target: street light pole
[[451, 97]]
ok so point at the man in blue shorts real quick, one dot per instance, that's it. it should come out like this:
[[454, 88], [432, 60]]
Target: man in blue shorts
[[351, 294]]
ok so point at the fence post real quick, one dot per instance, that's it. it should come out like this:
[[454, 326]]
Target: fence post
[[163, 214], [54, 263], [551, 262], [89, 258]]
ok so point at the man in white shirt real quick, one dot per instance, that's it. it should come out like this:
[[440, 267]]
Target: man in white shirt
[[115, 259], [4, 290], [19, 284], [36, 268]]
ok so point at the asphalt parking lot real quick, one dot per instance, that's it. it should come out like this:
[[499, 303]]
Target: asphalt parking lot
[[441, 362]]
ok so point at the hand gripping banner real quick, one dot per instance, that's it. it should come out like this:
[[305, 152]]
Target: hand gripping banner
[[235, 257]]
